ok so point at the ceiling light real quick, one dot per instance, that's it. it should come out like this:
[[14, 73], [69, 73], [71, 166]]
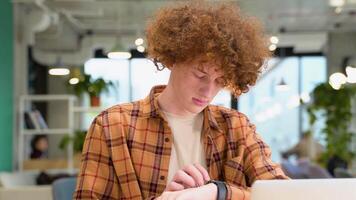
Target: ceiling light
[[139, 41], [274, 40], [351, 74], [282, 86], [272, 47], [59, 71], [305, 97], [338, 10], [73, 81], [119, 51], [336, 3], [119, 55], [336, 80], [335, 86], [141, 49]]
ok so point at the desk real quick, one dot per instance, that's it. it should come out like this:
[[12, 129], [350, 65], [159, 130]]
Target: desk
[[26, 192]]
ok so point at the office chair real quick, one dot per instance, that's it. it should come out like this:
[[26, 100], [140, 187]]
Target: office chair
[[63, 188]]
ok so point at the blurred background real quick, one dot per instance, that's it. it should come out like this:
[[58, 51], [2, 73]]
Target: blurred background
[[63, 61]]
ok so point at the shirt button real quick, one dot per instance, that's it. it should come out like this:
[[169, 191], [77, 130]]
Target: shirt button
[[162, 178], [166, 139]]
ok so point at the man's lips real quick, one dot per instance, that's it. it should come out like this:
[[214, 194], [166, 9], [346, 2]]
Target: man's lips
[[199, 102]]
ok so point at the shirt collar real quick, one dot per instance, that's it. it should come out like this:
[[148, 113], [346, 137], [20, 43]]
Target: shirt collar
[[154, 110]]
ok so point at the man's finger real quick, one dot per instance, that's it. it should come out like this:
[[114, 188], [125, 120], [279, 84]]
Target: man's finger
[[173, 186], [203, 171], [192, 171], [183, 178]]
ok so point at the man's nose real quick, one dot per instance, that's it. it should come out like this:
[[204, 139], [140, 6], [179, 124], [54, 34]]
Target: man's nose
[[207, 88]]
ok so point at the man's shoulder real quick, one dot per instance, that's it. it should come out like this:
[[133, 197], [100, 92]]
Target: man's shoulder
[[224, 114], [120, 113], [123, 107]]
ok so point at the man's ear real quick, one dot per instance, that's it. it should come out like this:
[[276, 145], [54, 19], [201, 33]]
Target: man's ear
[[171, 67]]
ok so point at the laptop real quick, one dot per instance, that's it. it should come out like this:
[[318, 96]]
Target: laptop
[[305, 189]]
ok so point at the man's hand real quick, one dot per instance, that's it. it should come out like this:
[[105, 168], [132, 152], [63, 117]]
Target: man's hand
[[205, 192], [189, 177]]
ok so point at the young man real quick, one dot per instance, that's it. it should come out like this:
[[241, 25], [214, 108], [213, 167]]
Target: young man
[[173, 144]]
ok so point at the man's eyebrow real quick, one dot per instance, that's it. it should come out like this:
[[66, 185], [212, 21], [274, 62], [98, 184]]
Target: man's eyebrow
[[206, 73], [202, 71]]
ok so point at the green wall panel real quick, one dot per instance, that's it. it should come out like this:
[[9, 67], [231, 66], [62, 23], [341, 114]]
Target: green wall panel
[[6, 84]]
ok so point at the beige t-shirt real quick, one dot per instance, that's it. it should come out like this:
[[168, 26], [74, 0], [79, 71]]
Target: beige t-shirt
[[187, 147]]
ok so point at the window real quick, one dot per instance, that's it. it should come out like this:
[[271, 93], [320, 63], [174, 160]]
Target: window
[[276, 110], [114, 70], [133, 80], [144, 76]]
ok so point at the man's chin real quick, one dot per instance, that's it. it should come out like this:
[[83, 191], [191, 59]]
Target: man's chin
[[197, 109]]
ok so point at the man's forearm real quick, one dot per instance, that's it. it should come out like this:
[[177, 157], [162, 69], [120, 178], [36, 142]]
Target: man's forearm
[[205, 192], [212, 191]]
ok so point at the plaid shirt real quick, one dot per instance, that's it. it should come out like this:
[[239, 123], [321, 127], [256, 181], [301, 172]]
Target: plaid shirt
[[127, 151]]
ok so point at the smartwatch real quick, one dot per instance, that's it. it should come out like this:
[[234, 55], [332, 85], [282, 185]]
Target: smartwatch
[[222, 190]]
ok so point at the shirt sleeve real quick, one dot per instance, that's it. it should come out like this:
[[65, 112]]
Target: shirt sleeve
[[96, 179], [252, 163]]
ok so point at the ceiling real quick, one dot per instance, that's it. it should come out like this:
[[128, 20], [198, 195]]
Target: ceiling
[[126, 19], [302, 16]]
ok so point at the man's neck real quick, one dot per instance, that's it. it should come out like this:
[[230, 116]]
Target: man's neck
[[168, 103]]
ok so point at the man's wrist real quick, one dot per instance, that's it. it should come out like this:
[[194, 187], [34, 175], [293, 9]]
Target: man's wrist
[[221, 189], [213, 191]]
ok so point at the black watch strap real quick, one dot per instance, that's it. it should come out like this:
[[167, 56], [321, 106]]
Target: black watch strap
[[222, 190]]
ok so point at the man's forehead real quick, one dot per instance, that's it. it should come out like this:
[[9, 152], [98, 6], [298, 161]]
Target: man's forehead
[[210, 67]]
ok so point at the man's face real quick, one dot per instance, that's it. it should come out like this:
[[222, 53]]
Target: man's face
[[195, 84]]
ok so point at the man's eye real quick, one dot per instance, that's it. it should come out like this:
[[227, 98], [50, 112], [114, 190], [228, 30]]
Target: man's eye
[[199, 75]]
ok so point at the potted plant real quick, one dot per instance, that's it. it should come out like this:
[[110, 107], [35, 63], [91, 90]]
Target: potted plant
[[94, 87], [77, 141], [335, 107]]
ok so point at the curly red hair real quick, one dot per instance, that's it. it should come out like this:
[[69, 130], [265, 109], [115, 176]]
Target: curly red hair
[[219, 32]]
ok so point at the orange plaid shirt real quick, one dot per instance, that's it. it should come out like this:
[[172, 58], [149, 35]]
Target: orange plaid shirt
[[127, 151]]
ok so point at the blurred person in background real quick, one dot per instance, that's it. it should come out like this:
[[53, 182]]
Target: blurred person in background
[[307, 152], [39, 147], [306, 148]]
